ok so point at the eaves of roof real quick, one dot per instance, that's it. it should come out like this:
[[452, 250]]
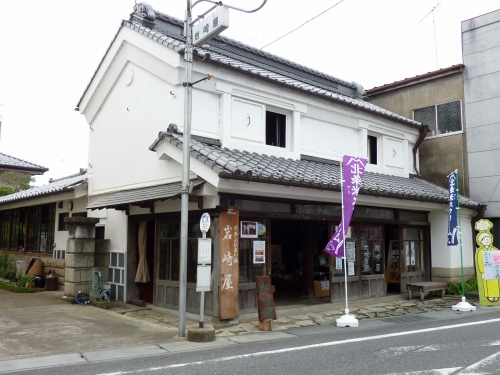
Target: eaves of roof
[[142, 197], [307, 172], [11, 163], [454, 69], [69, 183]]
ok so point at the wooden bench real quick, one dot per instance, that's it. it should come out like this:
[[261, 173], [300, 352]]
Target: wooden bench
[[425, 287]]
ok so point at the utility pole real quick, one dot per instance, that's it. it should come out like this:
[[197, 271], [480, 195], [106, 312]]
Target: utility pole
[[188, 102], [186, 148]]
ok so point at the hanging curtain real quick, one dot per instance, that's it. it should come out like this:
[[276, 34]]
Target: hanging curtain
[[142, 275]]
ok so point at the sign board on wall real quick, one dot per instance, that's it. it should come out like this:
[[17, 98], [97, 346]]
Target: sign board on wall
[[393, 269], [211, 25], [229, 261]]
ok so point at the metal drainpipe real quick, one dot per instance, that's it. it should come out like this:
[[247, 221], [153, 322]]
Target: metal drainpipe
[[423, 133]]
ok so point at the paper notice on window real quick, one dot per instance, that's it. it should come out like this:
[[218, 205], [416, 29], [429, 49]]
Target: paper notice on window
[[350, 251], [338, 263], [350, 268]]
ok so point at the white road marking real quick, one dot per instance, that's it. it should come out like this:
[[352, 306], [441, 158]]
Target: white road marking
[[441, 371], [307, 347], [393, 352], [472, 369]]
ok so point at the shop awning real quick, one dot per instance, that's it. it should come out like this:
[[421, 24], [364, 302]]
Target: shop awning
[[143, 197]]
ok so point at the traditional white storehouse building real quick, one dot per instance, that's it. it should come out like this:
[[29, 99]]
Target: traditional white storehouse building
[[267, 138]]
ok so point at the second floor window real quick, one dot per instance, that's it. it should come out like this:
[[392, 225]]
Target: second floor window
[[372, 149], [442, 118], [275, 129]]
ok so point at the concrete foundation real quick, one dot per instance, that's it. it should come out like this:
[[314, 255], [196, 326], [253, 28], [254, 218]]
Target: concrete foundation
[[452, 275], [205, 334]]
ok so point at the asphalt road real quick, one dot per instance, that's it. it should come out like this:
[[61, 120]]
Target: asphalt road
[[441, 343]]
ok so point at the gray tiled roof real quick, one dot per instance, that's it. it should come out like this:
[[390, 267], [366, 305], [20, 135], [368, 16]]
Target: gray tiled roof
[[60, 185], [307, 172], [289, 73], [8, 162], [142, 196]]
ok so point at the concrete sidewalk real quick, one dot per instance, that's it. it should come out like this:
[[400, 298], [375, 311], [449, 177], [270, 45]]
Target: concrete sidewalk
[[41, 325]]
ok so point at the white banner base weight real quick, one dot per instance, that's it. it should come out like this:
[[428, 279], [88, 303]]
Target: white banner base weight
[[347, 320], [463, 306]]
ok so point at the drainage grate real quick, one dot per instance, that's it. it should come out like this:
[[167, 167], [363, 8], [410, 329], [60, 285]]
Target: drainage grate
[[407, 319]]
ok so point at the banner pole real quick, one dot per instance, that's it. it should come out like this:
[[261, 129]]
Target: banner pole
[[463, 305], [346, 320], [343, 234], [460, 234]]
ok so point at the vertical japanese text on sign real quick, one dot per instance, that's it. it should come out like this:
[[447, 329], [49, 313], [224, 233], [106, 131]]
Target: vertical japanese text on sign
[[229, 257]]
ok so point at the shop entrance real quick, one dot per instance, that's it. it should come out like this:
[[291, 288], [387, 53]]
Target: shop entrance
[[297, 259], [392, 256]]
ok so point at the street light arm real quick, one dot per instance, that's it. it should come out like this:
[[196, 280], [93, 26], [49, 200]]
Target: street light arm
[[231, 7]]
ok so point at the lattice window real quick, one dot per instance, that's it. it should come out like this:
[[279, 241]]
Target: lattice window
[[116, 275]]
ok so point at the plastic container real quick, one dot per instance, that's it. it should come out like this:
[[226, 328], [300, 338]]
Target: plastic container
[[40, 281]]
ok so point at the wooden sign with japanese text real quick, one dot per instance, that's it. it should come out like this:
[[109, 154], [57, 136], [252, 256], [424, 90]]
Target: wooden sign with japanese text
[[393, 269], [265, 299], [229, 258]]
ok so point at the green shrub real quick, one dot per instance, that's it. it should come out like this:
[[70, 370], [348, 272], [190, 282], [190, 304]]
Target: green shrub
[[456, 289], [25, 279], [6, 265], [18, 289]]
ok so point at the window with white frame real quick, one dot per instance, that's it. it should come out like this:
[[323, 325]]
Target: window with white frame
[[59, 254], [116, 275], [442, 118]]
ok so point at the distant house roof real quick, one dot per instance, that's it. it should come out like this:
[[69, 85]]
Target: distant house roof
[[167, 31], [458, 68], [307, 172], [68, 183], [11, 163]]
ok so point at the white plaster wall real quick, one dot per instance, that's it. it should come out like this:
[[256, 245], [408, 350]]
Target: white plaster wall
[[328, 139], [116, 230], [205, 115], [443, 256], [317, 127], [116, 227], [137, 108]]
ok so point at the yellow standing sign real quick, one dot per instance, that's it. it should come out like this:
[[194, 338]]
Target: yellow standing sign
[[487, 265]]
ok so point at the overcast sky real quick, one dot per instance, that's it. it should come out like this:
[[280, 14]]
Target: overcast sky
[[50, 49]]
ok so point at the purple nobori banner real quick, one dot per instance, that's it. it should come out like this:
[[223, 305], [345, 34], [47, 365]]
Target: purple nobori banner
[[352, 170], [452, 209]]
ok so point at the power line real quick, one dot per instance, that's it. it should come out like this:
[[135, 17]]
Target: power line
[[281, 37]]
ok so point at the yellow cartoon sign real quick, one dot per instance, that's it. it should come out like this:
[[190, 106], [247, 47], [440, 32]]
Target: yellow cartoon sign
[[487, 265]]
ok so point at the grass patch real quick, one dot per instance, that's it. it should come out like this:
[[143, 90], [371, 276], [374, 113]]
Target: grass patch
[[18, 289], [456, 289]]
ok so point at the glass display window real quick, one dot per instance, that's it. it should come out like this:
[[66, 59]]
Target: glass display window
[[412, 249], [250, 265]]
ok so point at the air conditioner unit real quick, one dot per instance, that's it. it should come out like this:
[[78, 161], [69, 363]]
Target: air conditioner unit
[[20, 268]]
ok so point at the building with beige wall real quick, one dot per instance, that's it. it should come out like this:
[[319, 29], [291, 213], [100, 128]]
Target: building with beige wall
[[435, 99]]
